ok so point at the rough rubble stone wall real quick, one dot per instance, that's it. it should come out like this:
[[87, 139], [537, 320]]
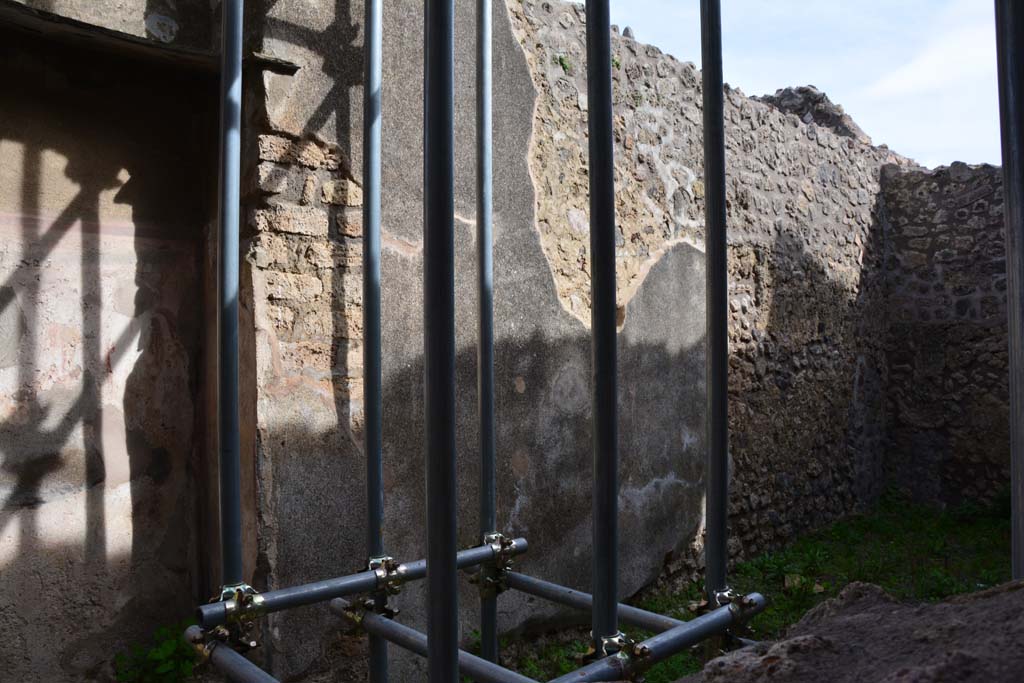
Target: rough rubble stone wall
[[946, 277], [805, 257]]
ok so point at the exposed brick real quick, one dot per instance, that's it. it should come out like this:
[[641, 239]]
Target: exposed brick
[[309, 154], [272, 178], [281, 317], [308, 190], [342, 193], [350, 224], [315, 322], [318, 255], [282, 150], [274, 148], [291, 286], [299, 220]]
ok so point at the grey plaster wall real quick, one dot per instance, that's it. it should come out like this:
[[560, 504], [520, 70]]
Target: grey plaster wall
[[305, 269], [104, 203], [182, 23]]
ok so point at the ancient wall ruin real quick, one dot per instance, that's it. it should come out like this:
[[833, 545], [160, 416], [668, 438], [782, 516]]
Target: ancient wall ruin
[[305, 265], [834, 351], [947, 349], [805, 257], [105, 200]]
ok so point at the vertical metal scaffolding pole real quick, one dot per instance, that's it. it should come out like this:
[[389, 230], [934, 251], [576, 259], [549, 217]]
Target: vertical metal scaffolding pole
[[717, 475], [1009, 43], [605, 570], [373, 402], [227, 397], [485, 292], [439, 338]]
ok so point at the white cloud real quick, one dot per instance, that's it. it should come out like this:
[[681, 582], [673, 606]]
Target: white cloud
[[952, 58], [918, 75]]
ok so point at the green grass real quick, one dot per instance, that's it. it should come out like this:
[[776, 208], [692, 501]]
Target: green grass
[[915, 553]]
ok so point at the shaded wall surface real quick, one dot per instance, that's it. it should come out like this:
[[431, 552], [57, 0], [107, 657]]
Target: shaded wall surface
[[188, 24], [946, 277], [807, 366], [304, 262], [104, 203], [808, 361], [820, 286]]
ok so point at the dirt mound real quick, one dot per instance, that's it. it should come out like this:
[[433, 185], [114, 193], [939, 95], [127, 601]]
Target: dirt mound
[[864, 635]]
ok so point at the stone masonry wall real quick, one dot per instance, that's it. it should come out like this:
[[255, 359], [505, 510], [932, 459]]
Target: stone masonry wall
[[866, 304], [304, 269], [947, 352], [805, 257]]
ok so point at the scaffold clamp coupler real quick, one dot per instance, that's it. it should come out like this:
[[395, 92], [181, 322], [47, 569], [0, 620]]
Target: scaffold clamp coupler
[[390, 574], [243, 605], [491, 578]]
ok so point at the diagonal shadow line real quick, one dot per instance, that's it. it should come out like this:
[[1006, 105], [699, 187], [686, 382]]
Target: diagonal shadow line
[[62, 431], [323, 110], [307, 36], [46, 242], [299, 32]]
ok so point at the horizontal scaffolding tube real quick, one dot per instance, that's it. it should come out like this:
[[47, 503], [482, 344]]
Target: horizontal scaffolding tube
[[477, 668], [228, 662], [664, 645], [465, 559], [216, 613], [634, 616]]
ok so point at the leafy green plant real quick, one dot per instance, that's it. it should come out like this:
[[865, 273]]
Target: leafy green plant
[[616, 62], [165, 658], [563, 61]]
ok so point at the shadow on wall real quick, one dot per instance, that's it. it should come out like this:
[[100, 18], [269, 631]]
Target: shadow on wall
[[946, 277], [317, 102], [807, 382], [105, 196], [544, 446]]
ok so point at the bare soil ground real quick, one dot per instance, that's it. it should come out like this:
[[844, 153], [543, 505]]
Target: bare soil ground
[[866, 636]]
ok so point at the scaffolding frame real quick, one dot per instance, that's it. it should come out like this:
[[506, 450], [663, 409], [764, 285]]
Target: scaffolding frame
[[225, 626]]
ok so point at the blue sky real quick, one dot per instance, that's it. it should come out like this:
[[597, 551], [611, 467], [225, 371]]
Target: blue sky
[[918, 75]]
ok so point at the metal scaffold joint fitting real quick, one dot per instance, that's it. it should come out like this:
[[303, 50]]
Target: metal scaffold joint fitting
[[617, 644], [491, 579], [390, 574], [726, 596], [243, 605], [198, 639]]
